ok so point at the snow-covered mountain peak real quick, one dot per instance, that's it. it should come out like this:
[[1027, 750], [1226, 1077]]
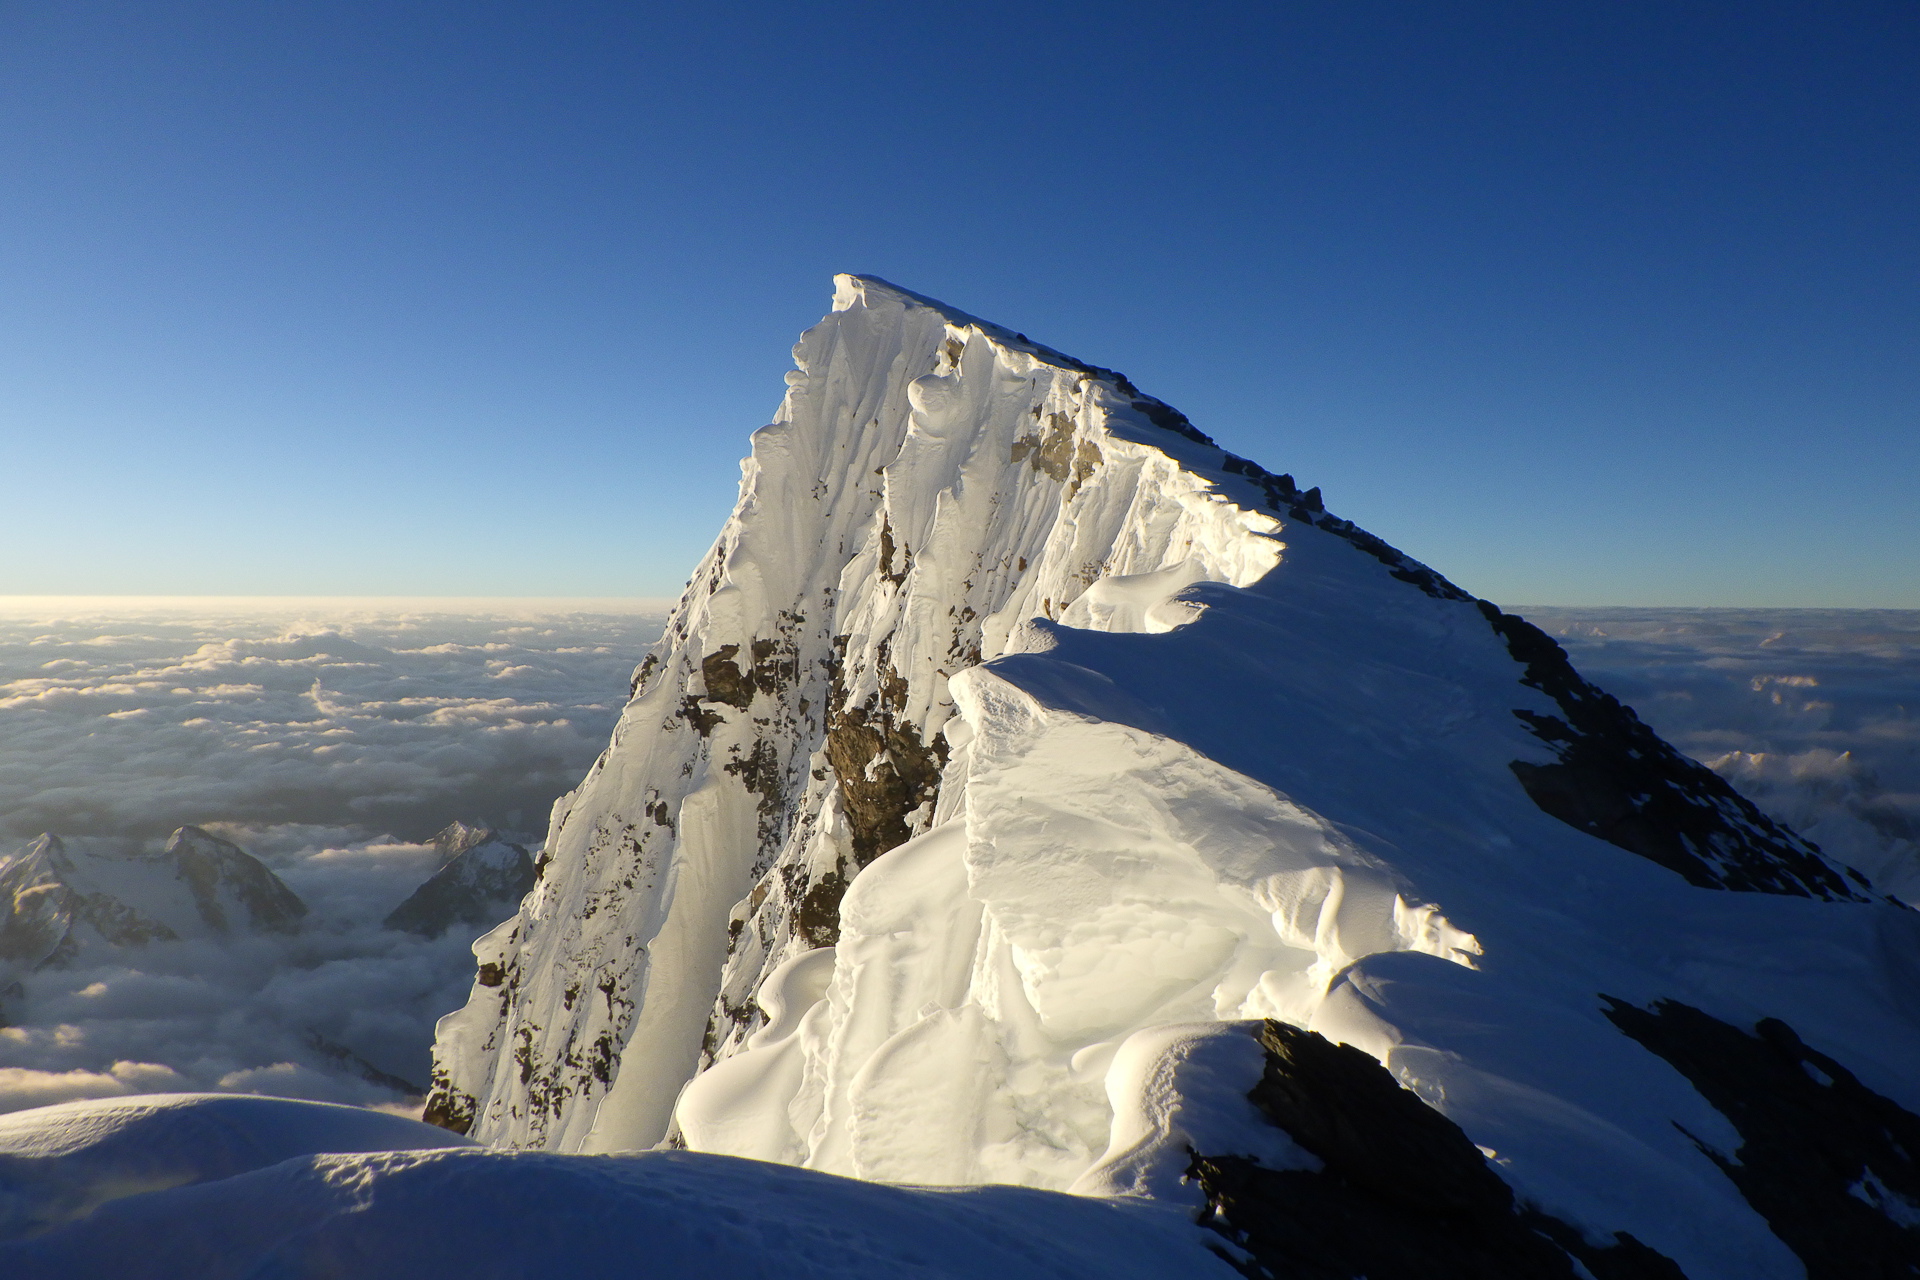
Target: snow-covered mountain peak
[[930, 486], [481, 878], [231, 888], [457, 837], [57, 901], [1011, 725]]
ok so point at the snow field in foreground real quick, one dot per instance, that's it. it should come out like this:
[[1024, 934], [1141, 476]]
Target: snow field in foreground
[[405, 1214]]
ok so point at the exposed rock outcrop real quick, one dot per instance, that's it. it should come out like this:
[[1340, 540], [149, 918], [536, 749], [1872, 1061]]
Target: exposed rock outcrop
[[1828, 1162], [1617, 779], [1401, 1193]]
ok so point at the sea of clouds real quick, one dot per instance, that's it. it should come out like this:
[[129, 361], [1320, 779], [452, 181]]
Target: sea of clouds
[[329, 739], [332, 739], [1813, 713]]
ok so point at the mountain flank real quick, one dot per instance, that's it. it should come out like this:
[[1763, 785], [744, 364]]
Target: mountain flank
[[1014, 743]]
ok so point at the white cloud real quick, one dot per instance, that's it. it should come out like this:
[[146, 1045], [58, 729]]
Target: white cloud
[[329, 747], [287, 1080], [331, 1012], [23, 1087], [391, 722], [1812, 713]]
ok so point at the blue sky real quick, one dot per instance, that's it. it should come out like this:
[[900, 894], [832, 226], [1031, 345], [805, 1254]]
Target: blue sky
[[1580, 303]]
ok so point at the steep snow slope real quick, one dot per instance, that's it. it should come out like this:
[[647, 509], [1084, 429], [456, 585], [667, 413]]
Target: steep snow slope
[[929, 485], [1121, 734]]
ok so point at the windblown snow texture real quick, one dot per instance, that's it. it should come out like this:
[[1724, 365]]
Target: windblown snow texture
[[59, 1164], [1011, 725], [222, 1188]]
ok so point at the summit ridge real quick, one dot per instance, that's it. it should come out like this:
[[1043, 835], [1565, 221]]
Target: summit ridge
[[1015, 743]]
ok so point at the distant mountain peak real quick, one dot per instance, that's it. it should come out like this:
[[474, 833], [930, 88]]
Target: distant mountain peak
[[481, 879], [230, 886], [57, 901], [457, 837]]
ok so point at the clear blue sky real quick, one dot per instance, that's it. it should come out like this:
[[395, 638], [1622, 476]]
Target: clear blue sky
[[1578, 302]]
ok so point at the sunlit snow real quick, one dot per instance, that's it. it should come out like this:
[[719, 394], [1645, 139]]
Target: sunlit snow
[[1014, 751]]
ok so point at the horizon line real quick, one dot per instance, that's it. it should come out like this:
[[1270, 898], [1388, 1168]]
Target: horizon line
[[24, 603], [13, 603]]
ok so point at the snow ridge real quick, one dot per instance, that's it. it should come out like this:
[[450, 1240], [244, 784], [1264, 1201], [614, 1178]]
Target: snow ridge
[[930, 484], [1012, 735]]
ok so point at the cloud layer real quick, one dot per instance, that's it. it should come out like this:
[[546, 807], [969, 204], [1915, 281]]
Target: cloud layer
[[331, 746], [1813, 713], [133, 724]]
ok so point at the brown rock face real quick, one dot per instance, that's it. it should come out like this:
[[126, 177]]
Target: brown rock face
[[1829, 1163], [1403, 1195]]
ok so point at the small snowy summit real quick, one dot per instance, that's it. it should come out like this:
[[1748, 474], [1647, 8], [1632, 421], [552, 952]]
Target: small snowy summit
[[482, 877], [1031, 799]]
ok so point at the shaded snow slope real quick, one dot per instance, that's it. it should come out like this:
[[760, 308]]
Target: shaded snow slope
[[478, 1214], [1011, 726], [61, 1163]]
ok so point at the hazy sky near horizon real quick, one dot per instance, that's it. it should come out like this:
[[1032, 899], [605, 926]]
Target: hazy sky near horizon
[[1584, 304]]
